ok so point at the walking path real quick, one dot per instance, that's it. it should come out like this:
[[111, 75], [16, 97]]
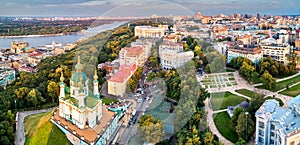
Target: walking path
[[20, 134], [212, 126], [242, 84], [279, 80], [218, 111]]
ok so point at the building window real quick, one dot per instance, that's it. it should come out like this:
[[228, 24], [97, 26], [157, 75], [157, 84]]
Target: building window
[[272, 134], [272, 126], [261, 132], [261, 125], [272, 141]]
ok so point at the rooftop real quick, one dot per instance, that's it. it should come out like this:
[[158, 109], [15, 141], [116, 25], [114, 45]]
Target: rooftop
[[134, 51], [123, 74], [287, 120]]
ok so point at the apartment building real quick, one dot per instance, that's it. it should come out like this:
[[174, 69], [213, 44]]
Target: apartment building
[[171, 38], [7, 75], [117, 84], [132, 55], [173, 59], [146, 44], [276, 125], [278, 52], [254, 53], [172, 55], [167, 45], [246, 39]]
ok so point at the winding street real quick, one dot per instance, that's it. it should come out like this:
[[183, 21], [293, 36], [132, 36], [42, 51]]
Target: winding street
[[20, 134]]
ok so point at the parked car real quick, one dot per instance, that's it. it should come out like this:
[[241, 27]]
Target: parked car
[[139, 100]]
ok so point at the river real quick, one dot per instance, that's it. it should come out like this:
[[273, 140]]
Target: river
[[35, 41]]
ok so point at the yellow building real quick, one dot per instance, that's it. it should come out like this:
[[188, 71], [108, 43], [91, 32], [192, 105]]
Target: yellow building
[[16, 47], [132, 55], [117, 84], [149, 31]]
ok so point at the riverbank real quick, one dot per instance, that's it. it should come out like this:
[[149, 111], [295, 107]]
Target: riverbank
[[41, 40], [61, 34], [30, 36]]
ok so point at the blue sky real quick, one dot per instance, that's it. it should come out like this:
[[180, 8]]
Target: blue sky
[[145, 7]]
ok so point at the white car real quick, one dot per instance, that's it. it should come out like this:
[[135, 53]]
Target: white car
[[139, 100], [147, 98]]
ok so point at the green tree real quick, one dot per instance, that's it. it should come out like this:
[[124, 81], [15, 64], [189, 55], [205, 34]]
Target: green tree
[[151, 130], [21, 92], [32, 97], [53, 90], [236, 114], [207, 69], [247, 70], [268, 81], [208, 138], [241, 126], [240, 142]]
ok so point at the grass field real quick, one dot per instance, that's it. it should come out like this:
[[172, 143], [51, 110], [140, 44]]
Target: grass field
[[282, 84], [293, 91], [249, 93], [225, 126], [108, 101], [40, 131], [222, 100]]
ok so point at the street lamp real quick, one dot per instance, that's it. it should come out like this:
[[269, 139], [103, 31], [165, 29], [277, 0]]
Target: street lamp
[[246, 113]]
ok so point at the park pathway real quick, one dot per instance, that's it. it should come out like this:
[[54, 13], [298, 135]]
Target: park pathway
[[20, 134], [242, 84], [279, 80], [211, 123]]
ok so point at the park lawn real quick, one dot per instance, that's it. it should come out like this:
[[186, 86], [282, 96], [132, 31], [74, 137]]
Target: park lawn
[[282, 84], [108, 101], [31, 122], [293, 91], [231, 79], [222, 100], [57, 137], [206, 80], [249, 93], [43, 132], [225, 126]]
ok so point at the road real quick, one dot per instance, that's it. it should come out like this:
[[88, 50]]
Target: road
[[20, 134]]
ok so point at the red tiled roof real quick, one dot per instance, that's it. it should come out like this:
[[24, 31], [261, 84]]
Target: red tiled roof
[[123, 74], [134, 51], [35, 54]]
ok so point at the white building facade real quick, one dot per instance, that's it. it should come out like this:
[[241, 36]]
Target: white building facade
[[276, 125]]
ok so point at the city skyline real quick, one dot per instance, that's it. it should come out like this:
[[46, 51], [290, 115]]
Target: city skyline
[[145, 8]]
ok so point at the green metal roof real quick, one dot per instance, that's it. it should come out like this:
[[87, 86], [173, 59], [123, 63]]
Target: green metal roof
[[77, 75]]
